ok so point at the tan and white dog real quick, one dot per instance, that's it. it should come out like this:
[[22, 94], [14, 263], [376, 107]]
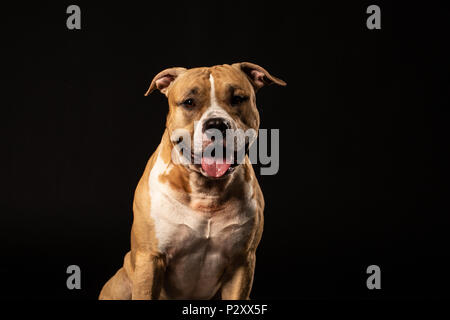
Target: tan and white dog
[[196, 227]]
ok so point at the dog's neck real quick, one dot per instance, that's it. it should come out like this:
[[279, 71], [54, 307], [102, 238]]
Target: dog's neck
[[194, 189]]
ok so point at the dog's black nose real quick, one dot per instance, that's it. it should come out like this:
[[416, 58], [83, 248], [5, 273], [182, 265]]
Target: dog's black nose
[[217, 123]]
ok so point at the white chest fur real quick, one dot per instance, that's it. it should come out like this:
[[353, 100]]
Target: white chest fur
[[198, 247]]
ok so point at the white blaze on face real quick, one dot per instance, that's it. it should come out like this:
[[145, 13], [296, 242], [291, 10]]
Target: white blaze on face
[[213, 93], [213, 111], [213, 166]]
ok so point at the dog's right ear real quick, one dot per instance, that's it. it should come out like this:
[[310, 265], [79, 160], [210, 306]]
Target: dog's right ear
[[163, 80]]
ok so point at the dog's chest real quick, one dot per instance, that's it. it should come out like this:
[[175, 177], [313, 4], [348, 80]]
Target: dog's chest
[[180, 229], [197, 247]]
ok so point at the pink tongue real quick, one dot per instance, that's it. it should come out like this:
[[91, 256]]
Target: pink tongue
[[214, 169]]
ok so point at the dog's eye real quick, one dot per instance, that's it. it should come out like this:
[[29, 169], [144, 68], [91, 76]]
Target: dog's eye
[[237, 100], [188, 102]]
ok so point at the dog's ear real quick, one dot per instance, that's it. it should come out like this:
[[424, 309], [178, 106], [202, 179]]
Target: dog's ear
[[258, 76], [163, 80]]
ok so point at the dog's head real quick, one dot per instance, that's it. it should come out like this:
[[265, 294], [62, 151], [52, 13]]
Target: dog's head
[[213, 118]]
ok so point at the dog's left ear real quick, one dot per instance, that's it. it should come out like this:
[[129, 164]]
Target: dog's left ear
[[258, 76], [163, 80]]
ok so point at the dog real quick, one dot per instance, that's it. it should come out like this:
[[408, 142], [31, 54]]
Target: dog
[[197, 224]]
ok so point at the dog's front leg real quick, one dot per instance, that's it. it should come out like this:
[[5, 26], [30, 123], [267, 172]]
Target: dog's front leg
[[148, 276], [238, 278]]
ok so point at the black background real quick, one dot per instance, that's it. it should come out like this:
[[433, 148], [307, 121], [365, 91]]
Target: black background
[[363, 126]]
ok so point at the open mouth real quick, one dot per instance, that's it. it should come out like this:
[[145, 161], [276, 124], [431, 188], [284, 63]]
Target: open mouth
[[217, 166], [217, 160], [215, 155]]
